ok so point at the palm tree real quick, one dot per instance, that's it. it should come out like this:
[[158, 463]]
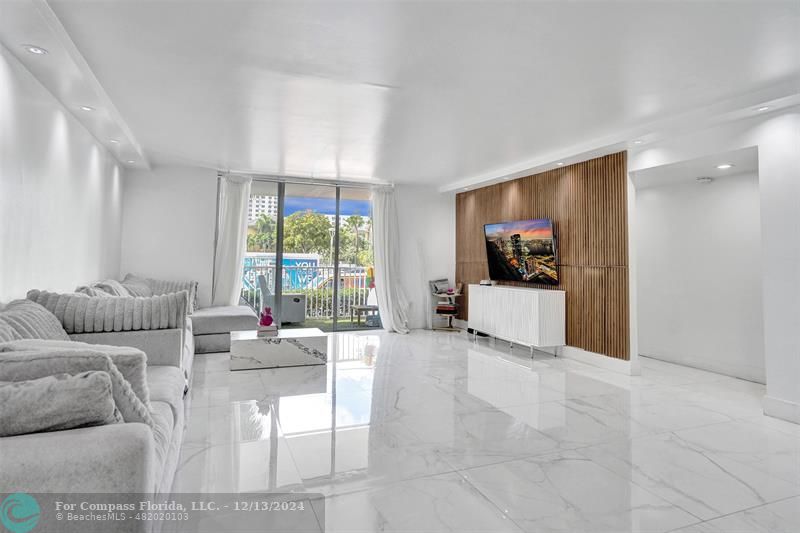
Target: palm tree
[[352, 224]]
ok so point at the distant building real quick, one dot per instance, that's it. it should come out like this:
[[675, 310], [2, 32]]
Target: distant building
[[516, 246], [262, 204]]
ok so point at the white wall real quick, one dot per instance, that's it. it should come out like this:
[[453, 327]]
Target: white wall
[[777, 136], [60, 192], [168, 225], [427, 231], [699, 275]]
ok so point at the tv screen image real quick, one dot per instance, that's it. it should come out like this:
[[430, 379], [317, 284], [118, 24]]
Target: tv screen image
[[524, 250]]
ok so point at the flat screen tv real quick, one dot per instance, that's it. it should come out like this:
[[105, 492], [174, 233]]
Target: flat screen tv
[[524, 250]]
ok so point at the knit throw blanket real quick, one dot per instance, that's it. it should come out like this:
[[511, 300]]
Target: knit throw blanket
[[79, 313]]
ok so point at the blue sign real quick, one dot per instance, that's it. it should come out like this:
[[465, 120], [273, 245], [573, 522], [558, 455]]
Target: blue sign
[[300, 271]]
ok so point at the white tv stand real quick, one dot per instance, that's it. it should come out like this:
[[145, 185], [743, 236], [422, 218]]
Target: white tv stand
[[520, 315]]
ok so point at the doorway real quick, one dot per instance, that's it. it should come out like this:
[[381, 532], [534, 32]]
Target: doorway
[[699, 264]]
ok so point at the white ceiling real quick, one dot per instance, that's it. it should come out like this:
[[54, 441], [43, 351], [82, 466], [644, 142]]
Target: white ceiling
[[66, 74], [744, 161], [404, 91]]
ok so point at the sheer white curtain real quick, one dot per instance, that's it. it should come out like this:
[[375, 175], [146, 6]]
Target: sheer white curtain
[[229, 249], [392, 302]]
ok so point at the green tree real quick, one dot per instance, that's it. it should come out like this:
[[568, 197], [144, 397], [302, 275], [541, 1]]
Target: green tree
[[267, 229], [307, 232], [353, 242], [365, 256], [262, 234], [252, 242]]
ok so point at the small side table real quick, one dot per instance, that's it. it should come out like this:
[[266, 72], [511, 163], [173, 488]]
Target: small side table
[[357, 310], [446, 307]]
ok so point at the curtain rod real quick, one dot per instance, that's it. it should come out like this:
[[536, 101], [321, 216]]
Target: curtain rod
[[298, 180]]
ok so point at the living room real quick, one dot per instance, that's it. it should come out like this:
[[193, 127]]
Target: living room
[[399, 266]]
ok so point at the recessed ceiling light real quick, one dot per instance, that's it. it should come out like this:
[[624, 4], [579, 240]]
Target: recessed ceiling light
[[638, 141], [32, 48], [724, 166], [560, 164], [86, 108], [704, 179], [131, 161], [763, 108], [113, 141]]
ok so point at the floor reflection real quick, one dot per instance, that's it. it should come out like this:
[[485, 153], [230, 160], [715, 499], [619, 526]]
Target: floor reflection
[[513, 442]]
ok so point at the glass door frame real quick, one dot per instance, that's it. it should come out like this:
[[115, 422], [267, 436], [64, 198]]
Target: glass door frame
[[278, 288], [336, 251]]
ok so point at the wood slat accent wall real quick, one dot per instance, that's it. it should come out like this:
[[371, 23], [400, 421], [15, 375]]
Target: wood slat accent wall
[[588, 205]]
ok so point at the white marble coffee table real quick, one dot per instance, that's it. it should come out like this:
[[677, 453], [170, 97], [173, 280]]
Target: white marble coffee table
[[291, 347]]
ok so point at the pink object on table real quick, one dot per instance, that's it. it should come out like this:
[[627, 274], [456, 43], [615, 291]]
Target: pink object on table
[[266, 317]]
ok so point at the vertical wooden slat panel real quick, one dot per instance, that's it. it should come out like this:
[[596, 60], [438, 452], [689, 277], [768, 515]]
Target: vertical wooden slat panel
[[587, 203]]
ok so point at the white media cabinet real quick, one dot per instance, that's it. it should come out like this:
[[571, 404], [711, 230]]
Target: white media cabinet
[[521, 315]]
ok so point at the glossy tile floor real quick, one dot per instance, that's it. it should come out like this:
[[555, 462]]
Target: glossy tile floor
[[432, 432]]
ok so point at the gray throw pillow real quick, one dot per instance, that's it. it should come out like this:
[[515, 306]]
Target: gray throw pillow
[[7, 333], [29, 320], [131, 362], [53, 403], [80, 313], [24, 366]]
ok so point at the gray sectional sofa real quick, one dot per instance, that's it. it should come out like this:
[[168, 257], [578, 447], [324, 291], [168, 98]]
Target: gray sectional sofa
[[121, 457], [140, 319], [212, 326]]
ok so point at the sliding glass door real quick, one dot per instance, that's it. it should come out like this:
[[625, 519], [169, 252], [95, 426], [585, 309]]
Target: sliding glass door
[[310, 255], [258, 270], [358, 304]]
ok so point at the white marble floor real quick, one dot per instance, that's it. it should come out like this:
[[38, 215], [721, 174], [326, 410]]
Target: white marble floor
[[432, 432]]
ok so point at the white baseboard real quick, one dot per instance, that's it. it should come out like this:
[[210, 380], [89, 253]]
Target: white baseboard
[[630, 368], [783, 409]]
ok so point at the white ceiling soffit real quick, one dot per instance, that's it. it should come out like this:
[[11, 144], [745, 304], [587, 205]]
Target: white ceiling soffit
[[742, 161], [640, 137], [65, 73], [450, 94]]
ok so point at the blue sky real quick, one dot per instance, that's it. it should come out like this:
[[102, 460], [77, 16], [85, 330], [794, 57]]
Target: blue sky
[[325, 206]]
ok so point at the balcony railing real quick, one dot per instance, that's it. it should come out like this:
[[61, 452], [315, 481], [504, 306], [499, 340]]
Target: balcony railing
[[315, 282]]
